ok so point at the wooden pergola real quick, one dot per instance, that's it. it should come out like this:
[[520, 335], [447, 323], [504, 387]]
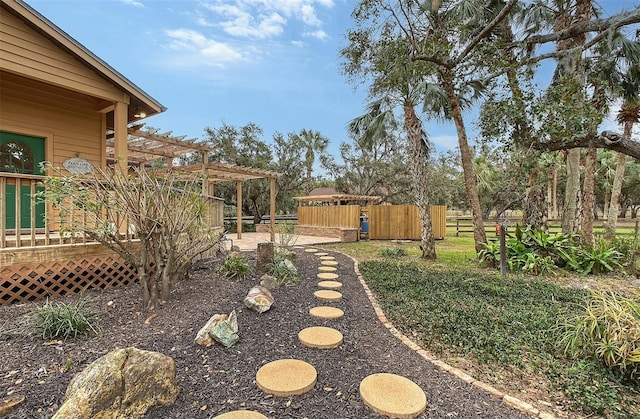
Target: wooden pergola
[[337, 199], [146, 145]]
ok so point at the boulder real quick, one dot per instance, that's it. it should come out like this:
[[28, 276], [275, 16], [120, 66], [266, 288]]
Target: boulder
[[259, 299], [220, 328], [124, 383], [269, 282], [290, 266]]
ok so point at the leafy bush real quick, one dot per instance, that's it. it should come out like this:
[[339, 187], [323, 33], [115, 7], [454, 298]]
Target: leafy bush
[[538, 253], [234, 266], [393, 252], [61, 320], [609, 330], [282, 269]]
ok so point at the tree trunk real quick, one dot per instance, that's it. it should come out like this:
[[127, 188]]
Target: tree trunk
[[572, 192], [616, 189], [588, 199], [555, 192], [479, 234], [419, 157]]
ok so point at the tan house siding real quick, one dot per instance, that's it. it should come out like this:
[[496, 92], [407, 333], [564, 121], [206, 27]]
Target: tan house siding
[[70, 129], [25, 51]]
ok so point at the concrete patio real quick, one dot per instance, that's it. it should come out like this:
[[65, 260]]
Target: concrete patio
[[249, 241]]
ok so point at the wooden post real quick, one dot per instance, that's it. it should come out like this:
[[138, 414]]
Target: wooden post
[[272, 209], [120, 139], [239, 208], [503, 250]]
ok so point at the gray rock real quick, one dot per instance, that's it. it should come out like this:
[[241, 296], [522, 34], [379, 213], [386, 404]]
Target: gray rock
[[124, 383]]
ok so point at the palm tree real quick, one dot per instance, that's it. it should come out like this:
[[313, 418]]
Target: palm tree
[[628, 115], [312, 142]]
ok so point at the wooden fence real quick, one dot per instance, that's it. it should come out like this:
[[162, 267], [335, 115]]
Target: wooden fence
[[341, 216], [402, 222]]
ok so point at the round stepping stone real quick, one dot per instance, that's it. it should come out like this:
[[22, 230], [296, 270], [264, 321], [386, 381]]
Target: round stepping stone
[[325, 312], [332, 285], [393, 395], [311, 250], [327, 275], [329, 263], [322, 254], [241, 414], [328, 295], [320, 337], [327, 269], [327, 258], [286, 377]]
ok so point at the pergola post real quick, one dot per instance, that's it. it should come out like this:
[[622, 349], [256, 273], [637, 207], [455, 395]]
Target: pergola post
[[272, 209], [239, 208]]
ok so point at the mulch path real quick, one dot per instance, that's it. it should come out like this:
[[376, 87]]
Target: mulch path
[[216, 380]]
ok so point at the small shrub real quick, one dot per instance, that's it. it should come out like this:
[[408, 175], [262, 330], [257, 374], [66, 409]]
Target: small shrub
[[595, 260], [609, 330], [234, 266], [285, 238], [282, 269], [490, 254], [393, 252], [61, 320]]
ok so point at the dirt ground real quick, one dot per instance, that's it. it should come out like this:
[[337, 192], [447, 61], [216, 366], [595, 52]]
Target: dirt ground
[[216, 380]]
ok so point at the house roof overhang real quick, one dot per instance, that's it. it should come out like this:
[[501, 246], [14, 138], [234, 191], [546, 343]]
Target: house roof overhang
[[140, 101]]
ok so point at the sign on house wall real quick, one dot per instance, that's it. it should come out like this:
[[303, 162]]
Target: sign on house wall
[[78, 166]]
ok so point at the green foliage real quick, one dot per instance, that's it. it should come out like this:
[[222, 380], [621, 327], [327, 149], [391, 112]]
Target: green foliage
[[282, 269], [393, 252], [540, 253], [595, 260], [234, 266], [593, 390], [609, 330], [61, 320], [503, 322], [493, 317]]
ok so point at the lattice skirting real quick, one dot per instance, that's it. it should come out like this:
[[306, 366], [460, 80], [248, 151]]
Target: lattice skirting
[[25, 282]]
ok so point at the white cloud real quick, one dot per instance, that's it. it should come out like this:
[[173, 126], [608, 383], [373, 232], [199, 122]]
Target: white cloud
[[444, 141], [192, 47], [262, 19], [133, 3], [319, 34], [299, 44]]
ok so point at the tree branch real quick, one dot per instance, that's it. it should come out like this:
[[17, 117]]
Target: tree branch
[[607, 139], [580, 28], [485, 31]]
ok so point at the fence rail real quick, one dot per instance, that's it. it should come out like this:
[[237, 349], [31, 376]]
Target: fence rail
[[465, 225]]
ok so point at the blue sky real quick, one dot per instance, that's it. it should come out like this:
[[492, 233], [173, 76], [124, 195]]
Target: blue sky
[[275, 63], [272, 62]]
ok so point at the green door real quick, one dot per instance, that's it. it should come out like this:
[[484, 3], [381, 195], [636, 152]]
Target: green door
[[21, 154]]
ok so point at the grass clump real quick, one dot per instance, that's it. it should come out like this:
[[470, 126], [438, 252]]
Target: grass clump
[[608, 329], [393, 252], [284, 271], [61, 320], [234, 266]]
